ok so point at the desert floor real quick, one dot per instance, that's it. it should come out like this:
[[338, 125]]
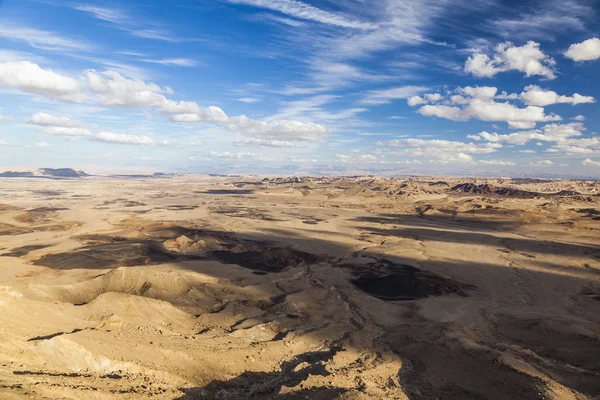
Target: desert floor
[[198, 287]]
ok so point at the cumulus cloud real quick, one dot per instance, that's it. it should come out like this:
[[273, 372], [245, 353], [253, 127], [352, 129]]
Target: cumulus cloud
[[592, 163], [123, 138], [496, 162], [479, 103], [416, 100], [587, 50], [536, 96], [541, 163], [549, 133], [302, 160], [240, 156], [112, 89], [578, 118], [447, 145], [565, 138], [44, 119], [5, 117], [60, 126], [31, 78], [508, 57], [442, 151]]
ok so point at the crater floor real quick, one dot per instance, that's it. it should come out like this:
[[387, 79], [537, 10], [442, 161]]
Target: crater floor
[[200, 287]]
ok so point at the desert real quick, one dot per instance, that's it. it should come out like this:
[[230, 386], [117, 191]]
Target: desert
[[247, 287]]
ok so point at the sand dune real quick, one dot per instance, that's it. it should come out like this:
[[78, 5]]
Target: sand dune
[[200, 287]]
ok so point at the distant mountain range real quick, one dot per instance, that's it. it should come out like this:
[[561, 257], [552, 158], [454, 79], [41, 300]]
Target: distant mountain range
[[44, 173]]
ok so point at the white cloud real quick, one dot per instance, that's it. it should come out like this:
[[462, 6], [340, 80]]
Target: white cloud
[[528, 151], [549, 133], [442, 151], [385, 96], [302, 160], [536, 96], [479, 103], [174, 62], [446, 145], [578, 118], [42, 145], [5, 117], [105, 14], [240, 156], [113, 89], [123, 138], [154, 34], [585, 51], [282, 20], [592, 163], [3, 142], [416, 100], [527, 58], [65, 131], [298, 9], [433, 97], [543, 20], [541, 163], [566, 139], [490, 111], [43, 119], [265, 143], [60, 126], [496, 162], [31, 78], [248, 100], [40, 39]]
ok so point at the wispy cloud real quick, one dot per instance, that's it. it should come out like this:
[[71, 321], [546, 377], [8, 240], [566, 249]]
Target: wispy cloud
[[177, 62], [384, 96], [301, 10], [113, 15], [41, 39]]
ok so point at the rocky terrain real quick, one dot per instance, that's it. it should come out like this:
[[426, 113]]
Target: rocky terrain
[[210, 287]]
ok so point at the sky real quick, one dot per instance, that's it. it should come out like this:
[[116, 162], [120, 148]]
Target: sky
[[298, 87]]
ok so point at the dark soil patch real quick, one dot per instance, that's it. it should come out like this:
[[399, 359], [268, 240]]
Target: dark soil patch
[[226, 191], [388, 281], [112, 255], [24, 250], [267, 260], [181, 207], [247, 213]]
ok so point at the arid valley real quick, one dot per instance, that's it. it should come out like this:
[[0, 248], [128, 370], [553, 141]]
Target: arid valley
[[240, 287]]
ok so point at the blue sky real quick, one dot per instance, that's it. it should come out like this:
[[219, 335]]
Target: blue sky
[[485, 87]]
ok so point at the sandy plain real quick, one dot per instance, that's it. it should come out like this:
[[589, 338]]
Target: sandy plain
[[200, 287]]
